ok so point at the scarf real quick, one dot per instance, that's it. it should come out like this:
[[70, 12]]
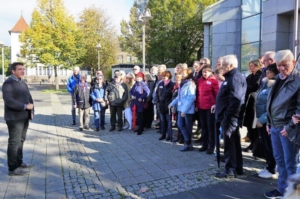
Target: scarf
[[176, 86], [83, 86], [166, 82]]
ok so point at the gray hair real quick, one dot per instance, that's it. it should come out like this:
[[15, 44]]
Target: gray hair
[[130, 75], [230, 60], [206, 60], [163, 67], [76, 68], [283, 55], [270, 54], [123, 73], [184, 66]]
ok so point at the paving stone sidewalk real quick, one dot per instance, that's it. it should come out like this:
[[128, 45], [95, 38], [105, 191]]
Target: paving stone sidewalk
[[73, 164]]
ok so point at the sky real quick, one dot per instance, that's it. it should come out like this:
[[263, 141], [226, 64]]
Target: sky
[[10, 12]]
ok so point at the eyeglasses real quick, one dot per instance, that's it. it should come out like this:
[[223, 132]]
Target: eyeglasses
[[134, 69], [201, 63]]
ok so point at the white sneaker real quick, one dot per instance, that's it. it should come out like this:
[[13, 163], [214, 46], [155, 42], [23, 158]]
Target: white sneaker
[[266, 174], [261, 171], [125, 126]]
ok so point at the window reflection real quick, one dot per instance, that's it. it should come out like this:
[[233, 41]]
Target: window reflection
[[249, 52], [250, 29], [250, 7]]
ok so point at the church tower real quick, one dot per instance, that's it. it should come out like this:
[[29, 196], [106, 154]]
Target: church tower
[[15, 32]]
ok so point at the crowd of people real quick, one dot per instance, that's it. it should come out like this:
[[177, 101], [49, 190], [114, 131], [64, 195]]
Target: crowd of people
[[220, 98]]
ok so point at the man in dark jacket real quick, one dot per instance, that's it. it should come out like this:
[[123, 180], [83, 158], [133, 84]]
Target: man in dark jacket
[[116, 95], [229, 100], [81, 100], [282, 103], [18, 109], [94, 80], [72, 82]]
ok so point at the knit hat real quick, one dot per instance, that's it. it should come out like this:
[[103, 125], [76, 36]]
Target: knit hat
[[140, 74]]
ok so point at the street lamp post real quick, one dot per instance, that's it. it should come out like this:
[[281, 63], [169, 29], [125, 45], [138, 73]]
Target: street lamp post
[[2, 45], [98, 47], [143, 19]]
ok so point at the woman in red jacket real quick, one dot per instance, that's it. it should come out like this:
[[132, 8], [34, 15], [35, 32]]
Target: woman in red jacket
[[208, 87]]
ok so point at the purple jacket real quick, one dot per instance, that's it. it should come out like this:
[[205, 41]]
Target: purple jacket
[[139, 90]]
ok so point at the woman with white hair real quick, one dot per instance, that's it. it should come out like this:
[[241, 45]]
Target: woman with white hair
[[130, 81]]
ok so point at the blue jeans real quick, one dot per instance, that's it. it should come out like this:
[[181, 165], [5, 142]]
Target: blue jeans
[[285, 155], [99, 118], [165, 119], [185, 124]]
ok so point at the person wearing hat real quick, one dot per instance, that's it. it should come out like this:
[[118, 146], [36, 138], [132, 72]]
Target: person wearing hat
[[99, 105], [116, 94], [139, 93]]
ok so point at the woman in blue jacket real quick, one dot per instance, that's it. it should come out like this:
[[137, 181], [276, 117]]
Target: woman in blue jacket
[[185, 102], [99, 105], [261, 115]]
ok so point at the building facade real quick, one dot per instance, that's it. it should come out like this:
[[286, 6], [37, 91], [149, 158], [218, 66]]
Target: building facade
[[247, 28], [40, 73]]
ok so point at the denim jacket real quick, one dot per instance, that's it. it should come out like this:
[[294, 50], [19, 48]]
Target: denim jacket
[[185, 100]]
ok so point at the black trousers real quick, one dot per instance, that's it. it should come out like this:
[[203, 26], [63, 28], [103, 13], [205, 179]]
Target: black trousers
[[271, 163], [116, 111], [148, 115], [17, 130], [207, 120], [232, 146], [140, 121], [252, 134]]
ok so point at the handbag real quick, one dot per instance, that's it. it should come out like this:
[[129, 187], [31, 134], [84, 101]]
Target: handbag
[[294, 136], [259, 149]]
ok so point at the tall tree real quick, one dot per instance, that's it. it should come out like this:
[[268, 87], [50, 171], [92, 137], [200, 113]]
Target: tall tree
[[6, 52], [131, 31], [53, 38], [176, 30], [97, 28]]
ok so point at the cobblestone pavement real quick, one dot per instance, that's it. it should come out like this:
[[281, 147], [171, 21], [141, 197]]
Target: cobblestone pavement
[[73, 164]]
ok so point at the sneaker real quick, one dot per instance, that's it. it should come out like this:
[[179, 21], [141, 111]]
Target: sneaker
[[261, 171], [126, 126], [273, 194], [266, 174], [17, 172]]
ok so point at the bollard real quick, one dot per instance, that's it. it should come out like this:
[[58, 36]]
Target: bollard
[[40, 83]]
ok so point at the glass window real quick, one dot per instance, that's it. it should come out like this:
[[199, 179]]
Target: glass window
[[128, 59], [121, 59], [250, 29], [249, 52], [250, 7]]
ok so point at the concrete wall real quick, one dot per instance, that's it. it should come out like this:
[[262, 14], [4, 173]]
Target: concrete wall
[[278, 24], [15, 46], [225, 19]]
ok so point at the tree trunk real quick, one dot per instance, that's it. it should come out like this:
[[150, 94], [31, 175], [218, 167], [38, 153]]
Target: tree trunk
[[56, 78]]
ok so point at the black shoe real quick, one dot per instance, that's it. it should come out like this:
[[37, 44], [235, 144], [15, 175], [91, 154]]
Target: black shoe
[[229, 174], [80, 129], [112, 128], [139, 132], [97, 129], [102, 128], [162, 137], [120, 129], [181, 141], [87, 127], [199, 141], [73, 123], [273, 194], [210, 151], [17, 172], [136, 131], [27, 166], [239, 172], [168, 138], [202, 149]]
